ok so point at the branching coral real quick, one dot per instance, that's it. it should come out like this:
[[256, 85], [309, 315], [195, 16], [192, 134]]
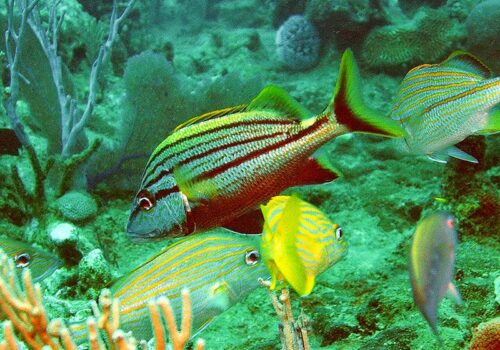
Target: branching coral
[[293, 333], [24, 310]]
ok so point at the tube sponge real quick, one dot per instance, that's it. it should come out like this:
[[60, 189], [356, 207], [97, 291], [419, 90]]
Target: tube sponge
[[297, 43]]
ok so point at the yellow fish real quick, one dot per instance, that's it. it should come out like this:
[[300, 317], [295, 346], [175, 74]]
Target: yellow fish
[[299, 242]]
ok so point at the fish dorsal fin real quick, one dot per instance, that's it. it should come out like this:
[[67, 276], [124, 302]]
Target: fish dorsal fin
[[211, 115], [466, 62], [277, 99]]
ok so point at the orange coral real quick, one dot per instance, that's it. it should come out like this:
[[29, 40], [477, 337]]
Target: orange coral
[[486, 336]]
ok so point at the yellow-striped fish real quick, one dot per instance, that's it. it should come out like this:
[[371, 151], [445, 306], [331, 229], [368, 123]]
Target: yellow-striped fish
[[431, 264], [441, 104], [220, 166], [299, 242], [219, 268], [24, 255]]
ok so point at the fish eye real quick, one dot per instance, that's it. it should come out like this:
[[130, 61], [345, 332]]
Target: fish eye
[[22, 260], [339, 233], [252, 257], [145, 199]]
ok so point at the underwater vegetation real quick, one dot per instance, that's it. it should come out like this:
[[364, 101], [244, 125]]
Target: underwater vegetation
[[199, 113]]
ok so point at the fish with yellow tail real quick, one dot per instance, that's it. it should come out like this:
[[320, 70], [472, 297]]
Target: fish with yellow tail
[[441, 104], [216, 169], [431, 264], [219, 268], [299, 242], [41, 263]]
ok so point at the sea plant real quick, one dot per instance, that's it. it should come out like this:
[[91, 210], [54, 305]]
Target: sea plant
[[24, 16]]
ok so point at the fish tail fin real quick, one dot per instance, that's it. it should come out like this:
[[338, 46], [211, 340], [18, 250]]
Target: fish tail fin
[[348, 108]]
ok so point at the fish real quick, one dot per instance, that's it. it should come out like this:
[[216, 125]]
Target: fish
[[41, 263], [299, 242], [216, 169], [431, 264], [9, 142], [219, 268], [440, 105]]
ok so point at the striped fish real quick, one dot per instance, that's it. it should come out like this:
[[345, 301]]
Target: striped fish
[[24, 255], [440, 105], [216, 169], [219, 268], [299, 242], [431, 264]]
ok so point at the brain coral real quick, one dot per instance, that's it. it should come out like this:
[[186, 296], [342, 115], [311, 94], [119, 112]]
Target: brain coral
[[297, 43], [76, 206], [483, 29], [430, 36]]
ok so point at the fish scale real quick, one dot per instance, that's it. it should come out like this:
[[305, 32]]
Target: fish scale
[[215, 169], [212, 266], [440, 105]]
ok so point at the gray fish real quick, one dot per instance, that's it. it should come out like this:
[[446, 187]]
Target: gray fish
[[431, 264], [42, 264]]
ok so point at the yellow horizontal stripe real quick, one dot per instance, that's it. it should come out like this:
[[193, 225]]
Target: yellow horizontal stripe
[[463, 94]]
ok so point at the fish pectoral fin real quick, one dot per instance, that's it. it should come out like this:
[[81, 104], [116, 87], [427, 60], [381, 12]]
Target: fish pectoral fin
[[492, 124], [250, 223], [454, 294], [277, 99], [317, 170], [459, 154], [348, 106]]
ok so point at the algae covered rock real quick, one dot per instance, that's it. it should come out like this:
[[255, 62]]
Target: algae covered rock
[[94, 273], [76, 206]]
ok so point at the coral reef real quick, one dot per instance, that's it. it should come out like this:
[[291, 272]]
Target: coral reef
[[426, 39], [23, 307], [486, 335], [297, 43], [76, 206], [483, 32]]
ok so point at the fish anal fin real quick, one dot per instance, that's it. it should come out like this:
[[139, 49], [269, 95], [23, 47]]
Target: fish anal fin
[[250, 223], [349, 109], [459, 154], [277, 99], [211, 115], [466, 62], [317, 170]]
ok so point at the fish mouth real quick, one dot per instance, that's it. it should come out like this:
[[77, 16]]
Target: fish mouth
[[135, 235]]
